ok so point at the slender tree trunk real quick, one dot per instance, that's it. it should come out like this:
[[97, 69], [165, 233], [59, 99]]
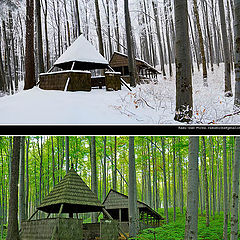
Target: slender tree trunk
[[132, 191], [78, 18], [235, 192], [174, 182], [213, 177], [225, 235], [22, 182], [30, 81], [191, 226], [115, 165], [237, 51], [94, 186], [99, 28], [53, 163], [27, 178], [184, 102], [159, 37], [165, 181], [200, 43], [67, 153], [130, 50], [104, 168], [12, 233], [206, 182], [39, 37], [228, 88]]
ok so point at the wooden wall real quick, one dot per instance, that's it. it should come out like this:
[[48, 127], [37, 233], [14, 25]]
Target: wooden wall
[[45, 229], [79, 81]]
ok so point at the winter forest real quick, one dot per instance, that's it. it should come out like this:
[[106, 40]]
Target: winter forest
[[181, 60], [154, 187]]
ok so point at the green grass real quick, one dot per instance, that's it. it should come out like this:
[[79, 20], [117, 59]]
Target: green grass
[[175, 230]]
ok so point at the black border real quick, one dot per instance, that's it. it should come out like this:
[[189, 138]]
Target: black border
[[101, 130]]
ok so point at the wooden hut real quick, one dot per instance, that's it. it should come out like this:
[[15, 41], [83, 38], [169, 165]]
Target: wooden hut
[[70, 196], [119, 63], [76, 64], [116, 205]]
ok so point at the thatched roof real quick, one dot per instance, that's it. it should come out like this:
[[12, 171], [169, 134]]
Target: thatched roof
[[83, 53], [74, 194]]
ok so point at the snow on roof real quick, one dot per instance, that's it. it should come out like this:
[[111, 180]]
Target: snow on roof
[[81, 51]]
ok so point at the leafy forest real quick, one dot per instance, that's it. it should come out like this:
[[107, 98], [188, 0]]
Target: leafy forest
[[194, 44], [192, 182]]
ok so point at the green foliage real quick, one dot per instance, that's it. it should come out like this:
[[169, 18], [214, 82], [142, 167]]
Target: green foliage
[[175, 230]]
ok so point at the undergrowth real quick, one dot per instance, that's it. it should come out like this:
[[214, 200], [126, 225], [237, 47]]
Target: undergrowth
[[175, 230]]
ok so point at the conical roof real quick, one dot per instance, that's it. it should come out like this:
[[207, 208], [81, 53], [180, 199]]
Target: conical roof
[[74, 194], [83, 53]]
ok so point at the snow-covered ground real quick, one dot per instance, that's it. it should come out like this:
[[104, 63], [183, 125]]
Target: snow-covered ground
[[146, 104]]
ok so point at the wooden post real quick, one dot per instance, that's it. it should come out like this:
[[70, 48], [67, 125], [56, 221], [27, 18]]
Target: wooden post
[[60, 210], [33, 215], [120, 214], [110, 217]]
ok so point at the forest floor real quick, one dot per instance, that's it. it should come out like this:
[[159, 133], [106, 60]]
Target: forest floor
[[175, 230], [146, 104]]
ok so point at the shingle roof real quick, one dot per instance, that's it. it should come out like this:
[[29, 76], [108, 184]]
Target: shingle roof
[[74, 194], [109, 203]]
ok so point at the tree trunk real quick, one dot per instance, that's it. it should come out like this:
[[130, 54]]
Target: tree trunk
[[184, 102], [195, 8], [130, 50], [228, 88], [237, 51], [78, 18], [213, 178], [94, 186], [132, 191], [67, 153], [104, 169], [115, 165], [159, 37], [99, 28], [165, 181], [225, 235], [21, 186], [174, 182], [39, 37], [53, 163], [206, 182], [235, 191], [12, 233], [30, 81], [191, 226]]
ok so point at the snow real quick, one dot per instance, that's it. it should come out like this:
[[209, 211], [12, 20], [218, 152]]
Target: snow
[[146, 104], [37, 106], [66, 71], [81, 51]]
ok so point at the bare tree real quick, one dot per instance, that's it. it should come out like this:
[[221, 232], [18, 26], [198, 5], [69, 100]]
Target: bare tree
[[237, 51], [130, 50], [184, 102], [30, 81], [228, 88]]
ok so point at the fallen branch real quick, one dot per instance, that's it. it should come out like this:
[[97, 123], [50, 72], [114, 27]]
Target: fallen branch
[[228, 115]]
